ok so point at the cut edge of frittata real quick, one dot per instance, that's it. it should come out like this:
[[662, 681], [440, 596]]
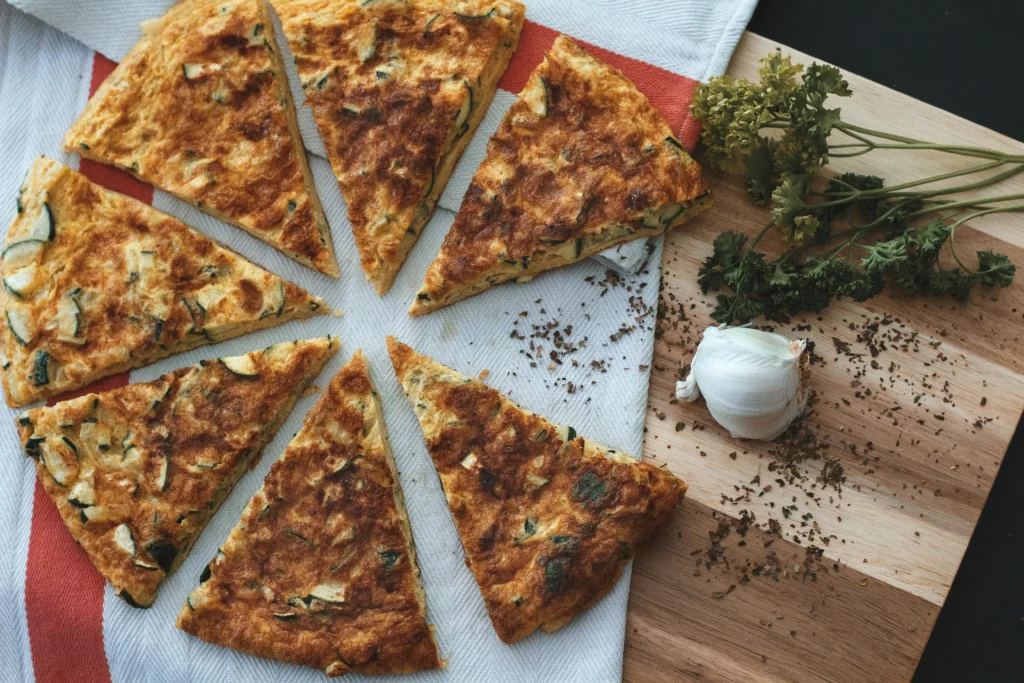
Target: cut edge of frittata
[[399, 494], [656, 220], [328, 266], [381, 268], [382, 275], [81, 130], [418, 374], [190, 617], [76, 502], [35, 227]]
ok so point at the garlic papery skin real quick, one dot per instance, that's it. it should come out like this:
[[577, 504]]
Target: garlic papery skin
[[754, 382]]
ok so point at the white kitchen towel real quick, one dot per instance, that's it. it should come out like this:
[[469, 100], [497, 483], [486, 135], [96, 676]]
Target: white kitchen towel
[[56, 618]]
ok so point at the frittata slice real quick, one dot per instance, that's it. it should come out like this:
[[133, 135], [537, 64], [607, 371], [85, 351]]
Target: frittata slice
[[137, 472], [581, 162], [96, 283], [397, 89], [548, 519], [321, 570], [201, 108]]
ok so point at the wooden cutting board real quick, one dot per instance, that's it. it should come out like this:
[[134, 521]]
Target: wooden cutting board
[[920, 426]]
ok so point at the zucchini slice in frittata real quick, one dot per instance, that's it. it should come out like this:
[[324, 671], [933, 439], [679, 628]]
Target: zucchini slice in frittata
[[124, 475], [43, 228], [18, 326], [547, 519], [117, 286], [580, 163], [22, 252], [413, 80], [321, 569], [243, 366]]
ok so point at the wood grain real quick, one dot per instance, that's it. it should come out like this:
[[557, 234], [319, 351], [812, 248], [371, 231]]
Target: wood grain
[[919, 427]]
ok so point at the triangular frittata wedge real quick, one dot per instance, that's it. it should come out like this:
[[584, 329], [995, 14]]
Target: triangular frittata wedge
[[581, 162], [321, 570], [137, 472], [96, 283], [201, 108], [548, 519], [397, 89]]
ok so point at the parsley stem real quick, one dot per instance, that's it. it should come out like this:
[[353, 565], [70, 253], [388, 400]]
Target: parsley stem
[[856, 232], [977, 185], [973, 203], [977, 214], [953, 149], [855, 136], [841, 155], [866, 143], [845, 127], [863, 136], [862, 194], [757, 238], [941, 203], [896, 206], [855, 195], [911, 143]]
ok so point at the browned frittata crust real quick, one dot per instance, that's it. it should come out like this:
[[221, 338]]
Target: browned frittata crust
[[581, 162], [397, 89], [137, 472], [200, 108], [548, 519], [321, 570], [114, 284]]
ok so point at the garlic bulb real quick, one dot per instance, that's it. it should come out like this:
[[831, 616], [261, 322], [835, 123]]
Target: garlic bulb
[[754, 382]]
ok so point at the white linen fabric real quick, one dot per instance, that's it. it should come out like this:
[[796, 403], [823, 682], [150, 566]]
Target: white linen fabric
[[44, 80]]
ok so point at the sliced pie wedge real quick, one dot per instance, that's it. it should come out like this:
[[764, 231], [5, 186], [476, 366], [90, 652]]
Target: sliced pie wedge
[[137, 472], [201, 108], [321, 570], [397, 89], [581, 162], [547, 519], [97, 283]]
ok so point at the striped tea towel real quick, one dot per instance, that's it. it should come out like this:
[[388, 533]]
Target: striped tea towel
[[59, 621]]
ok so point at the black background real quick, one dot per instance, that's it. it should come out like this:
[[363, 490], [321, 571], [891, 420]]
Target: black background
[[968, 58]]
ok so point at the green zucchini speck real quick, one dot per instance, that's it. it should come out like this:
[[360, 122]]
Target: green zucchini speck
[[127, 597], [554, 574], [590, 489], [389, 558], [41, 369]]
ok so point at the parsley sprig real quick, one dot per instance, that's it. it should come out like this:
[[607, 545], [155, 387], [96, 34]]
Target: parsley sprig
[[777, 133]]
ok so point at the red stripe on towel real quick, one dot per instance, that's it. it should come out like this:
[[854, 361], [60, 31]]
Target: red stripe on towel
[[109, 177], [63, 602], [63, 591]]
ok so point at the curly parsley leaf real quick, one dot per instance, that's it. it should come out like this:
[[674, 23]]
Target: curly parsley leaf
[[777, 132]]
